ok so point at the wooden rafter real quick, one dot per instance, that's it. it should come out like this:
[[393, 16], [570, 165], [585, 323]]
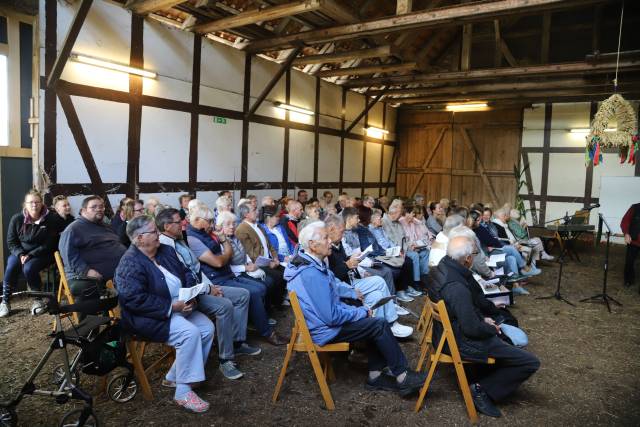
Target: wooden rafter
[[370, 69], [258, 15], [403, 6], [427, 160], [457, 14], [336, 57], [494, 73], [69, 41], [465, 51], [142, 7]]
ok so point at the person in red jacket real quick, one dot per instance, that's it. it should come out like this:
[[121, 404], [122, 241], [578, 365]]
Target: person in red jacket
[[630, 226]]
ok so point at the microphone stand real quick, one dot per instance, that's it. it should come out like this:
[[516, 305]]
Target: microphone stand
[[604, 297], [557, 295]]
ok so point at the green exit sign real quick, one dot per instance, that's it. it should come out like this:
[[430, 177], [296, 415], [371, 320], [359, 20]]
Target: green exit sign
[[220, 120]]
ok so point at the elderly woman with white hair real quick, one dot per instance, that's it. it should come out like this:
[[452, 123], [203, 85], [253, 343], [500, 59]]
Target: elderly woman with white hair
[[149, 278], [519, 231]]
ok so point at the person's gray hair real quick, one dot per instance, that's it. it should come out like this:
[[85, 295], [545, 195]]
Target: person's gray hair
[[376, 213], [460, 247], [451, 222], [244, 209], [310, 232], [462, 230], [225, 216], [194, 202], [200, 211], [502, 212], [223, 202], [394, 208], [333, 220], [135, 226]]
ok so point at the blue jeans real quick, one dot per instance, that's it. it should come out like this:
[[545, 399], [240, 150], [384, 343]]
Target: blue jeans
[[31, 270], [382, 347], [374, 288], [517, 336], [420, 262], [257, 293], [510, 250]]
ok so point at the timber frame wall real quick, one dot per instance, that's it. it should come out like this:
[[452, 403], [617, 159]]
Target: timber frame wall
[[57, 89]]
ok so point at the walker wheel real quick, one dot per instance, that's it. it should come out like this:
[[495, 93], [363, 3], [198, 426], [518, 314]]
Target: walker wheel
[[8, 417], [119, 391], [72, 419]]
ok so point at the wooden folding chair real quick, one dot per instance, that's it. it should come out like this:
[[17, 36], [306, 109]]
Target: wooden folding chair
[[438, 313], [63, 290], [301, 341]]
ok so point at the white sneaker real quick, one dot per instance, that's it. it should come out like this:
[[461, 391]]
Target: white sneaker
[[401, 311], [545, 256], [5, 309], [402, 296], [413, 292], [400, 331]]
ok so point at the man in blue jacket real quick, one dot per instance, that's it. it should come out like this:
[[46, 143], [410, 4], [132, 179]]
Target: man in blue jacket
[[330, 320]]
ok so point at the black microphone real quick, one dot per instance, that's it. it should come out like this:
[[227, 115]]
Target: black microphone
[[597, 205]]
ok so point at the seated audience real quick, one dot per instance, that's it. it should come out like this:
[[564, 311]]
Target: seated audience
[[436, 218], [303, 197], [343, 202], [62, 211], [419, 202], [151, 206], [312, 214], [439, 246], [229, 306], [32, 237], [148, 279], [330, 320], [383, 204], [326, 200], [214, 252], [419, 238], [131, 209], [445, 204], [518, 230], [477, 335], [90, 250], [291, 219], [223, 204], [118, 216], [276, 233]]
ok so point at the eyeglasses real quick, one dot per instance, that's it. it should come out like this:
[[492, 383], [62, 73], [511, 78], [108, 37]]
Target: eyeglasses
[[33, 203], [149, 232], [96, 208], [139, 210]]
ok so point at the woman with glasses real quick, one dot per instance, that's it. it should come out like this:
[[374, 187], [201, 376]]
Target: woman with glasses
[[32, 238]]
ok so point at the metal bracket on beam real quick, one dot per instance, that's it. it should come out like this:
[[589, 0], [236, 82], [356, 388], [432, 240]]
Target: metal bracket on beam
[[272, 83]]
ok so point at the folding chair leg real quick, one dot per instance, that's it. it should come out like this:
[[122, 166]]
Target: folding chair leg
[[283, 371], [424, 353], [466, 393], [322, 382], [138, 368], [327, 367], [432, 369]]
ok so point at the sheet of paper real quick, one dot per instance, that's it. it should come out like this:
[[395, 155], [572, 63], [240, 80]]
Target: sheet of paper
[[493, 281], [187, 294], [393, 251], [262, 261], [499, 271], [497, 258], [366, 252]]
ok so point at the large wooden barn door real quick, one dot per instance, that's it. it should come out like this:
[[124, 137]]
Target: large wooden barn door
[[467, 157]]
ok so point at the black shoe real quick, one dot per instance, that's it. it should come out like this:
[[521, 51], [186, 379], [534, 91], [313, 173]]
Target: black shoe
[[413, 381], [383, 382], [628, 284], [483, 402]]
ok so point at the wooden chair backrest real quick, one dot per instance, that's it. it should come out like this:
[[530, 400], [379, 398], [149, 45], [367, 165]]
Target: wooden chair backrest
[[584, 214], [440, 315], [63, 277], [301, 323]]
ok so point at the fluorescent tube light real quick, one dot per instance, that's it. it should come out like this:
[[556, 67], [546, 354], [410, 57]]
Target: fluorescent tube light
[[377, 133], [293, 108], [84, 59], [476, 106]]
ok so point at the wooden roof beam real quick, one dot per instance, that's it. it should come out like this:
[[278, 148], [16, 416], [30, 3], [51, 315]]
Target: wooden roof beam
[[494, 73], [143, 7], [258, 15], [375, 52], [460, 14], [371, 69]]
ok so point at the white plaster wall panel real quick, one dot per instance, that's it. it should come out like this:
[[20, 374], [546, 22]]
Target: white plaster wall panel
[[535, 166], [329, 158], [114, 199], [164, 145], [219, 150], [611, 167], [330, 122], [107, 137], [76, 204], [390, 123], [566, 175], [261, 73], [330, 100], [222, 67], [69, 166], [353, 192], [220, 98], [106, 34], [303, 90], [301, 156], [558, 210], [169, 199], [374, 117], [352, 161], [266, 146], [533, 123], [168, 51], [208, 198], [569, 116], [355, 105], [372, 170], [387, 153], [169, 88], [276, 193]]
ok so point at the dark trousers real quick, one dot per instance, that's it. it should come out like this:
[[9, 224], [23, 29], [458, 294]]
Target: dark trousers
[[257, 294], [382, 347], [85, 290], [278, 289], [629, 270], [31, 270], [513, 366]]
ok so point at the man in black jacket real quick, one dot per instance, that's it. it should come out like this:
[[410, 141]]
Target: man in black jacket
[[478, 336]]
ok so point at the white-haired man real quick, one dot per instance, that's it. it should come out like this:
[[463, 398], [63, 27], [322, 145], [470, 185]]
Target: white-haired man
[[330, 320], [477, 335]]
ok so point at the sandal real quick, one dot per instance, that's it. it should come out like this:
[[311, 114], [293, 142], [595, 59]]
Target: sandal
[[193, 403]]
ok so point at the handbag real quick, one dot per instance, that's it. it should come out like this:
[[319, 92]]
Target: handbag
[[391, 261]]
